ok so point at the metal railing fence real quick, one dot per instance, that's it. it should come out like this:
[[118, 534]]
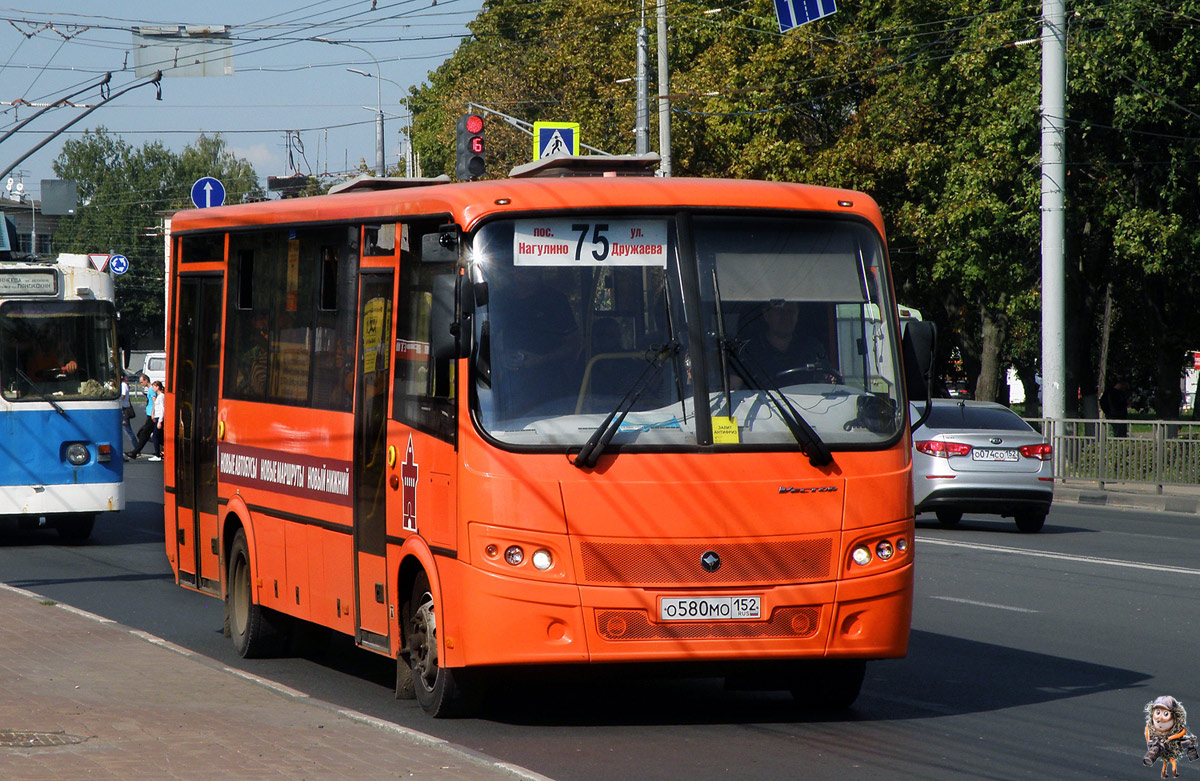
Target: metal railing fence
[[1152, 452]]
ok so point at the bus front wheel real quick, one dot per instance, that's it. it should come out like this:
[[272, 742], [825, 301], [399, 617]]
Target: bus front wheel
[[827, 685], [441, 691], [75, 528], [256, 630]]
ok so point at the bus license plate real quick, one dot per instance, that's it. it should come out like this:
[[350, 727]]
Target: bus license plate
[[709, 608], [993, 454]]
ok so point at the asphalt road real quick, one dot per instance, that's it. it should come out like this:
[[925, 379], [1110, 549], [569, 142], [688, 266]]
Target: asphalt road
[[1030, 656]]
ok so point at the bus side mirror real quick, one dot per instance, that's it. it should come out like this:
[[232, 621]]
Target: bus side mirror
[[441, 246], [919, 345]]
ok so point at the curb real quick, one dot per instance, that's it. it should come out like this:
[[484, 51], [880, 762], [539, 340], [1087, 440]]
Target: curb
[[1165, 503]]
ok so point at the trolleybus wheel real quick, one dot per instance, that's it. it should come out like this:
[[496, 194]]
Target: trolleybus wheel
[[256, 630], [829, 684], [75, 528], [948, 517], [441, 691]]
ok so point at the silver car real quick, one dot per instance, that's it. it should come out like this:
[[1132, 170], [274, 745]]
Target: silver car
[[980, 457]]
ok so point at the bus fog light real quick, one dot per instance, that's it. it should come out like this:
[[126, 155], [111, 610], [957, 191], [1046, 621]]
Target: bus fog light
[[542, 559], [514, 555], [77, 454], [884, 550], [861, 556]]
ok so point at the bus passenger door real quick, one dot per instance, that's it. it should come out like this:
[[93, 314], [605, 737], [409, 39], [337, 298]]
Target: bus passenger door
[[370, 468], [196, 385]]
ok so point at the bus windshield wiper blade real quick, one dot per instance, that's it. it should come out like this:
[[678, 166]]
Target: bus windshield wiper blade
[[809, 440], [589, 454], [38, 390]]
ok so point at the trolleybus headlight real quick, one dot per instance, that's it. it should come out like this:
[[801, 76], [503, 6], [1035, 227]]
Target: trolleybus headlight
[[77, 454], [514, 555], [861, 555], [542, 559], [884, 550]]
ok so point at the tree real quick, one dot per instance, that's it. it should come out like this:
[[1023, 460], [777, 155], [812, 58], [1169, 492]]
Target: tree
[[933, 110], [122, 190]]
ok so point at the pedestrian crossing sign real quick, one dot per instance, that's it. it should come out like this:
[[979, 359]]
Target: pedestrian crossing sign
[[555, 139]]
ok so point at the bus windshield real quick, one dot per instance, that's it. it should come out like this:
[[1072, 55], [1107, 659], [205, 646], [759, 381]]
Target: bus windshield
[[59, 350], [760, 323]]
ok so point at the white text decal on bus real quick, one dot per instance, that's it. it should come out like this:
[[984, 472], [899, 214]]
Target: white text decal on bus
[[590, 242], [308, 477]]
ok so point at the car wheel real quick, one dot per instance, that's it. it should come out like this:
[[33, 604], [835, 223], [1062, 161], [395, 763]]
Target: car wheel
[[948, 517], [1030, 522]]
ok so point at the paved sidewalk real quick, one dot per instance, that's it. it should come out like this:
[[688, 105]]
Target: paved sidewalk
[[82, 696]]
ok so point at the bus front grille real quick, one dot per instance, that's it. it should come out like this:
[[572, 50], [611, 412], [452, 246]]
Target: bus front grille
[[795, 622], [642, 564]]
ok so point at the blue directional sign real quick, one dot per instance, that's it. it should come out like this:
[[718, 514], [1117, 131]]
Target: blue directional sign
[[118, 264], [208, 191], [793, 13]]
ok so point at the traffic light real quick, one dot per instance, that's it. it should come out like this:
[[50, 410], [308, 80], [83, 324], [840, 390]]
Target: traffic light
[[470, 163]]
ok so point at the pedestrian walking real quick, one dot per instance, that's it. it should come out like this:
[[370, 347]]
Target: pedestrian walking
[[160, 412], [146, 432], [127, 413]]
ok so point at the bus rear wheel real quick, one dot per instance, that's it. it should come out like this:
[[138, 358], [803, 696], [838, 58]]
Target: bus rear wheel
[[441, 691], [831, 684], [257, 631]]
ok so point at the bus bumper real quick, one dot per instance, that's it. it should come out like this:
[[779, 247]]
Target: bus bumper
[[36, 500], [526, 622]]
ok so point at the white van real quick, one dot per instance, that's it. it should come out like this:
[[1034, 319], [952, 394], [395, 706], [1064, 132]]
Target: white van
[[155, 367]]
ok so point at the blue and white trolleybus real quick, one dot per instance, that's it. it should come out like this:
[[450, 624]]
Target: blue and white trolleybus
[[60, 432]]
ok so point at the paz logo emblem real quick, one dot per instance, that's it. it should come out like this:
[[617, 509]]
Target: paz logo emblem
[[710, 561]]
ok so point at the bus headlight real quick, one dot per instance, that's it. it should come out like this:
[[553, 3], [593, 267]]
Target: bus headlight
[[542, 559], [514, 555], [861, 555], [77, 454], [884, 550]]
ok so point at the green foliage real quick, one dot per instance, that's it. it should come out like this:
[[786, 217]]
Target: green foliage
[[932, 108], [122, 192]]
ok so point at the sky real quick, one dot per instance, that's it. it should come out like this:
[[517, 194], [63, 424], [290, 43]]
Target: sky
[[290, 106]]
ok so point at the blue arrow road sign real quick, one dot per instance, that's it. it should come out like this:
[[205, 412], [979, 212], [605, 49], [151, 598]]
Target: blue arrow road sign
[[793, 13], [118, 264], [208, 191]]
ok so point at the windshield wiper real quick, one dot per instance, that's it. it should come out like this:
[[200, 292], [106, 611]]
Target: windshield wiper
[[589, 454], [38, 390], [809, 440]]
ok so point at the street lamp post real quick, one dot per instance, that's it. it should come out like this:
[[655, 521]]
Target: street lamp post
[[379, 168]]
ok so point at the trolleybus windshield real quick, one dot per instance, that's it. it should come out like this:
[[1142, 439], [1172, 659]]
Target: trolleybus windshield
[[63, 350]]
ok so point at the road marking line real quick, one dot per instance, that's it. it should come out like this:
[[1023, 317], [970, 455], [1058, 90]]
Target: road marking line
[[1060, 556], [987, 604]]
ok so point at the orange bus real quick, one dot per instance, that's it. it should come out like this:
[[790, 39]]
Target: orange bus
[[545, 420]]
